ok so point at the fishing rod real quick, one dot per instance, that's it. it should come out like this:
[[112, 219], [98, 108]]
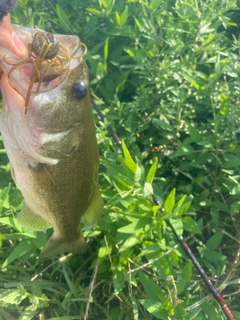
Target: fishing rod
[[181, 240]]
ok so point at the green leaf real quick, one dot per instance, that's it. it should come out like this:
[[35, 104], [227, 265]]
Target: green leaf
[[16, 199], [153, 291], [210, 311], [4, 195], [138, 174], [206, 143], [179, 204], [29, 312], [99, 71], [193, 80], [150, 249], [177, 225], [214, 241], [63, 18], [170, 202], [213, 256], [20, 250], [121, 81], [183, 151], [118, 281], [147, 190], [190, 225], [235, 281], [163, 125], [152, 171], [104, 251], [10, 221], [121, 185], [135, 308], [231, 161], [205, 28], [187, 271], [135, 227], [105, 54], [181, 285], [124, 17], [106, 3], [40, 239], [154, 307], [235, 190], [155, 3], [95, 12], [118, 18], [14, 296], [184, 208], [194, 134], [128, 161], [129, 243], [69, 282]]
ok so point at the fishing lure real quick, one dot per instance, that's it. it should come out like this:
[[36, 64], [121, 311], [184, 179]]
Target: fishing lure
[[48, 60]]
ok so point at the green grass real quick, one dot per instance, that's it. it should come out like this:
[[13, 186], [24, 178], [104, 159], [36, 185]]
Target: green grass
[[165, 74]]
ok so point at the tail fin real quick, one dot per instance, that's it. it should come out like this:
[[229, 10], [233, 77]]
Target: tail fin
[[57, 245]]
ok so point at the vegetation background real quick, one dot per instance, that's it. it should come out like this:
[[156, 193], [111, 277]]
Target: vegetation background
[[165, 73]]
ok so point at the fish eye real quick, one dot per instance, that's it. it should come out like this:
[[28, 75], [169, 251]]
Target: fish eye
[[79, 90]]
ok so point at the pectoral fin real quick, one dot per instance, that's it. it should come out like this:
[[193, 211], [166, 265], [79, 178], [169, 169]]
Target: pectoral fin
[[28, 219], [94, 211]]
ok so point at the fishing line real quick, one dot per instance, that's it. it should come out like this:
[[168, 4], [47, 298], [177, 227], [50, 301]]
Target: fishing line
[[61, 17]]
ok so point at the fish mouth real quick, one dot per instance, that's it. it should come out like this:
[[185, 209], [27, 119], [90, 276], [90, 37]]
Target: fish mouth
[[35, 61], [10, 40]]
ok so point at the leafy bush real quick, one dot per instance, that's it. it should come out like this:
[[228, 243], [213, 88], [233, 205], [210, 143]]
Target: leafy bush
[[166, 75]]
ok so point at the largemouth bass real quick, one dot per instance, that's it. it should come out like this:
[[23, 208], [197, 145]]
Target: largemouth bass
[[48, 132]]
